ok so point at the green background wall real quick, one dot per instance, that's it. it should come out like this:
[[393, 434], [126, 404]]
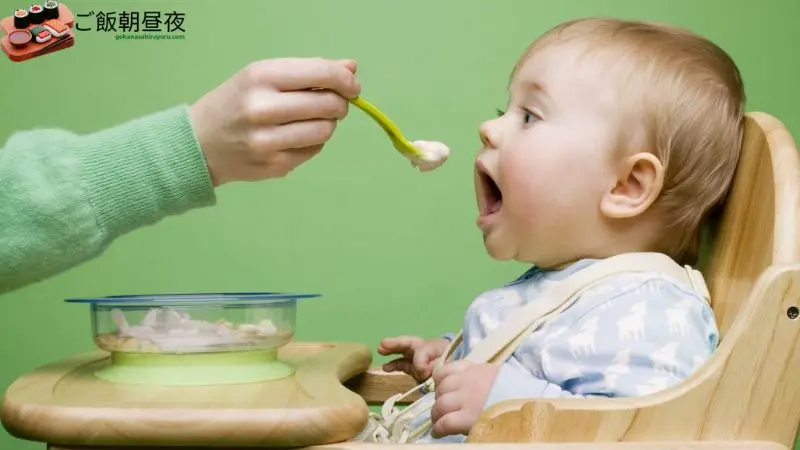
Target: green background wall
[[392, 250]]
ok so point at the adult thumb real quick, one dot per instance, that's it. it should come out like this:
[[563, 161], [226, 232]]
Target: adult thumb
[[351, 65]]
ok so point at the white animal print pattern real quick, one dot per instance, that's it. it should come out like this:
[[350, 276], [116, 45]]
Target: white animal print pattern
[[631, 335]]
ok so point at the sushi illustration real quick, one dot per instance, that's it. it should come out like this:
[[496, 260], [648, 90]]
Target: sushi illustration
[[40, 27], [36, 14], [50, 9], [56, 27], [21, 18], [19, 38], [41, 34]]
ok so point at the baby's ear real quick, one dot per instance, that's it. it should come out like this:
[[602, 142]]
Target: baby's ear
[[639, 181]]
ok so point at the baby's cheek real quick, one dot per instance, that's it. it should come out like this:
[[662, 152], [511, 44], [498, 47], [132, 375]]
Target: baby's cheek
[[530, 197], [590, 179]]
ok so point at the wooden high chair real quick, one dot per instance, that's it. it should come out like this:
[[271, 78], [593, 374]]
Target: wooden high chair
[[747, 396]]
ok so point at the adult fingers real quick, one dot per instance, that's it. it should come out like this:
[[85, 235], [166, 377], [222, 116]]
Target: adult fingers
[[292, 74], [295, 135], [276, 164], [351, 64], [296, 156], [267, 107]]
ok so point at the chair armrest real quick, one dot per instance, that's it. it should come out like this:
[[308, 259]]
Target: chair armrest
[[375, 385], [556, 420]]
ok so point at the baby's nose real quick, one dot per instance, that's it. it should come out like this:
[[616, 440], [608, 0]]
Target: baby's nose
[[489, 134]]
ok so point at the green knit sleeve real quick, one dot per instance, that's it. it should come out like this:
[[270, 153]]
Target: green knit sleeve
[[65, 197]]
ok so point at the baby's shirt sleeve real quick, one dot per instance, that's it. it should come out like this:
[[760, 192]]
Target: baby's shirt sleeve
[[628, 339]]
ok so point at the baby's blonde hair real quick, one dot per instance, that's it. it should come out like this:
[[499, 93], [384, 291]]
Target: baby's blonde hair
[[683, 100]]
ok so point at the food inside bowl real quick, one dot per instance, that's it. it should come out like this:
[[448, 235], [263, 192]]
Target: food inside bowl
[[168, 330], [193, 323]]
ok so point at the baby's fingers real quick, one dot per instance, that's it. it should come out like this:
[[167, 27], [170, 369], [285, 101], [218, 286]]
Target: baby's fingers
[[399, 364], [423, 363], [451, 424], [400, 344]]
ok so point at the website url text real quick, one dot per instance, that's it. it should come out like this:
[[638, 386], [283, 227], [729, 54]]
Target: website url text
[[149, 36]]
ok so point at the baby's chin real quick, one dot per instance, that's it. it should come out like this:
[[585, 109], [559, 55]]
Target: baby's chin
[[505, 251], [497, 249]]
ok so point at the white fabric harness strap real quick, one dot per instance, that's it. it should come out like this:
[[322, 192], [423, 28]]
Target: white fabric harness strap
[[392, 425]]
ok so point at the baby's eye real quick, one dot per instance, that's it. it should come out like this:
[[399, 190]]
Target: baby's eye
[[499, 112], [529, 117]]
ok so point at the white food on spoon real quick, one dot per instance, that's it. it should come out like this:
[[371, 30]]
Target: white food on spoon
[[436, 153]]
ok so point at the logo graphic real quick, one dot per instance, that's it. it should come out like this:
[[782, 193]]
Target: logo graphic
[[38, 30]]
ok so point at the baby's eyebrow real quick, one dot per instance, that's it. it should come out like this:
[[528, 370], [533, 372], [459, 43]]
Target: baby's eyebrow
[[538, 91], [528, 86], [535, 87]]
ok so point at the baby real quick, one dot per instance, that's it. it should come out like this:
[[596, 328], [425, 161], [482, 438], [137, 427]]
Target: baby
[[619, 137]]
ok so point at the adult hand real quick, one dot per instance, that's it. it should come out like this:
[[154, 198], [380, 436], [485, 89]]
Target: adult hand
[[272, 116]]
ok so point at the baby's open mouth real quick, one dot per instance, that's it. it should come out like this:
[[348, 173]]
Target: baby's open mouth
[[492, 198]]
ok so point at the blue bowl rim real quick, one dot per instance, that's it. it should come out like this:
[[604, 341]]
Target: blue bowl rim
[[202, 297]]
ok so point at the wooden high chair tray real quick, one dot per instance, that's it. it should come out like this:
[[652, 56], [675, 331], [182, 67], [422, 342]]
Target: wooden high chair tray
[[65, 403]]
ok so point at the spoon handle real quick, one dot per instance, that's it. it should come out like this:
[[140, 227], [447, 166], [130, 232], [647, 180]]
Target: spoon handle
[[388, 126]]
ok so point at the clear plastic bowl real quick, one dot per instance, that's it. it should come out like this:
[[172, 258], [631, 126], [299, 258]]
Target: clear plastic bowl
[[193, 339], [193, 323]]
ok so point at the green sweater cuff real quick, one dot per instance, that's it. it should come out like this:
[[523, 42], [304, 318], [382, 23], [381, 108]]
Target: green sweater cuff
[[137, 173]]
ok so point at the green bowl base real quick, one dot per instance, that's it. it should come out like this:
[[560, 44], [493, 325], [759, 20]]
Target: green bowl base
[[198, 369]]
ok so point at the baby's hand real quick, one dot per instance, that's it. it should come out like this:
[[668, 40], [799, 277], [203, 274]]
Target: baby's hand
[[418, 354], [461, 391]]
